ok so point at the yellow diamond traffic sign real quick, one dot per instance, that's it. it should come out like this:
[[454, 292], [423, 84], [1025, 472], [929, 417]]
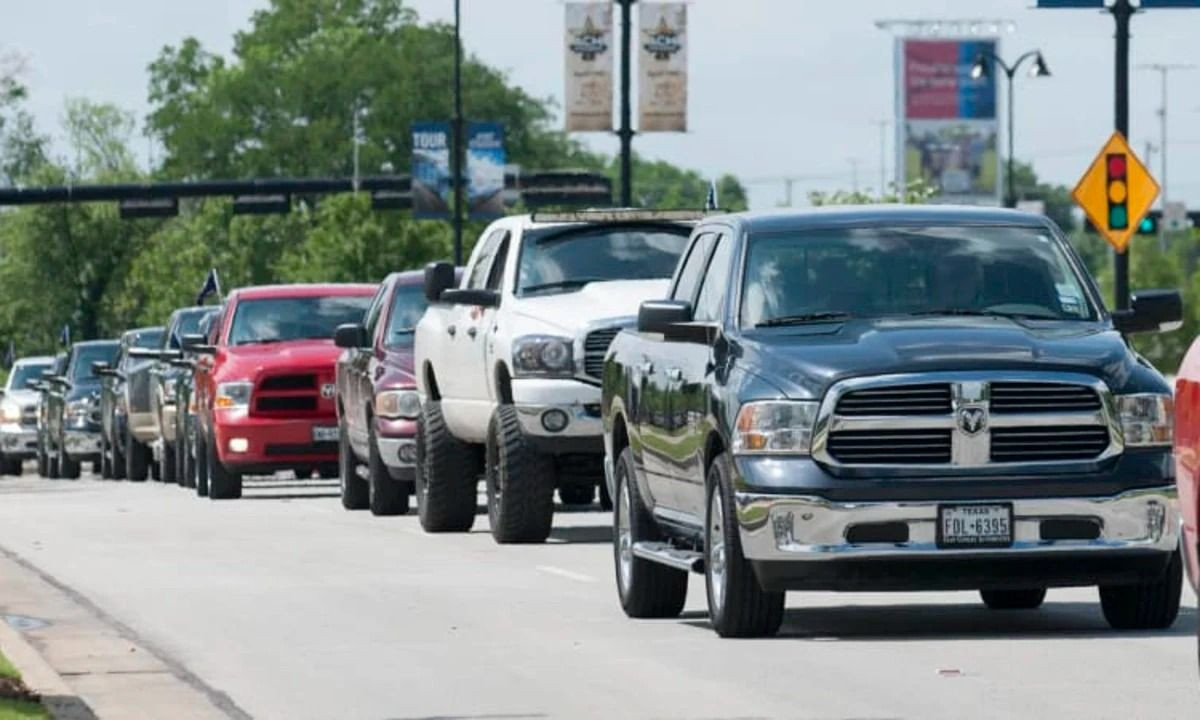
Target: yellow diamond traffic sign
[[1116, 192]]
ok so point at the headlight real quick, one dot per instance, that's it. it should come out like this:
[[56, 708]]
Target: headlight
[[10, 412], [79, 410], [775, 427], [233, 395], [1146, 420], [398, 404], [543, 355]]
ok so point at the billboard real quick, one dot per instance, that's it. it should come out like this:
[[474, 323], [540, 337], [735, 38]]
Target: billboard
[[485, 170], [431, 188], [589, 71], [947, 133], [662, 67]]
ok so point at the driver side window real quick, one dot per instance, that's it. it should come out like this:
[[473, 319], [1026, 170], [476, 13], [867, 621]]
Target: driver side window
[[693, 268], [483, 263], [374, 312]]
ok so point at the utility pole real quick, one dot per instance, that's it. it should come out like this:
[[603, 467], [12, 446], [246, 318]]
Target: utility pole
[[625, 133], [1163, 69], [1122, 12], [456, 146]]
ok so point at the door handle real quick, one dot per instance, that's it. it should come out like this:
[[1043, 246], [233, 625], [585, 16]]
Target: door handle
[[451, 331], [471, 332], [674, 374]]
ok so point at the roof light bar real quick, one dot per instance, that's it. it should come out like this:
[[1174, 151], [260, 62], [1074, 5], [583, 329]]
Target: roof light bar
[[619, 216]]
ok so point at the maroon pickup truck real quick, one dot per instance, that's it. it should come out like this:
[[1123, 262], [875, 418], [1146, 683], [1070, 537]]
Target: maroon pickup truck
[[377, 403]]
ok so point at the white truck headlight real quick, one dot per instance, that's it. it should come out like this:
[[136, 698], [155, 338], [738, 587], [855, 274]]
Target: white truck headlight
[[78, 411], [398, 404], [544, 356], [781, 427], [233, 395], [10, 412], [1147, 420]]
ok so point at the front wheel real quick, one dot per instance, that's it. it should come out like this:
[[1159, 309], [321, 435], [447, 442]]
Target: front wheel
[[737, 604], [106, 472], [447, 475], [354, 488], [69, 469], [387, 496], [520, 482], [1146, 606], [166, 464], [1023, 599], [222, 484], [137, 459], [646, 589]]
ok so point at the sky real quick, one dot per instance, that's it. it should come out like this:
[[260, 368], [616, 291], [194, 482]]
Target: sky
[[778, 88]]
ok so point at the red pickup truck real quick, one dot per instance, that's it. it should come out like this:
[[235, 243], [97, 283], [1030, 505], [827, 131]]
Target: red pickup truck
[[265, 387], [1187, 460]]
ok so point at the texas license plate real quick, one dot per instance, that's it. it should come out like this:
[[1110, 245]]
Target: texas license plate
[[322, 433], [974, 526]]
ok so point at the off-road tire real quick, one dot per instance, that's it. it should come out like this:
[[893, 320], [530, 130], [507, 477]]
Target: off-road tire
[[745, 609], [137, 461], [1146, 606], [200, 464], [43, 463], [166, 464], [447, 475], [1022, 599], [353, 488], [387, 496], [68, 469], [646, 589], [11, 466], [576, 494], [105, 468], [222, 484], [520, 482]]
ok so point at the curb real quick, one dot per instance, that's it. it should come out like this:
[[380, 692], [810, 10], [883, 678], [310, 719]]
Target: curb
[[57, 697]]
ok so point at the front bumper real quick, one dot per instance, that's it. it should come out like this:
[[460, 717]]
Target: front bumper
[[17, 441], [82, 444], [273, 443], [397, 445], [537, 398]]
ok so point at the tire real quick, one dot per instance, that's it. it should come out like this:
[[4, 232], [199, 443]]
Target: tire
[[106, 472], [116, 450], [52, 465], [1023, 599], [646, 589], [447, 475], [387, 496], [152, 465], [166, 464], [520, 482], [187, 477], [737, 604], [68, 469], [136, 459], [576, 494], [222, 484], [43, 463], [200, 465], [1146, 606], [606, 501], [354, 488], [11, 466]]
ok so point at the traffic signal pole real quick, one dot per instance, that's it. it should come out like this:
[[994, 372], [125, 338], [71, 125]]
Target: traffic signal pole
[[1122, 11]]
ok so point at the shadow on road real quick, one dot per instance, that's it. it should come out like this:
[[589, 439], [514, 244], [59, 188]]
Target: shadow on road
[[583, 534], [290, 496]]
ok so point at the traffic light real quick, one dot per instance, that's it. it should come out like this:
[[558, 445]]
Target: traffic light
[[1117, 166], [1149, 224]]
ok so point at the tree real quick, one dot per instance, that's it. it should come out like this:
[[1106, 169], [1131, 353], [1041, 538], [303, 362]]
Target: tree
[[1060, 207], [659, 184]]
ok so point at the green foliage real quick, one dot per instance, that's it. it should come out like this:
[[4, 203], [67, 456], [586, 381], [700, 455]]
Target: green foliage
[[915, 192], [1057, 198]]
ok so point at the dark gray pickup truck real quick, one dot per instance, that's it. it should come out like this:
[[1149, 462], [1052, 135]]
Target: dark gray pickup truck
[[889, 398]]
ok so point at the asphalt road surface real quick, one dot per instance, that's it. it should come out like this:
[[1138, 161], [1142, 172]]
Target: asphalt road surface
[[298, 609]]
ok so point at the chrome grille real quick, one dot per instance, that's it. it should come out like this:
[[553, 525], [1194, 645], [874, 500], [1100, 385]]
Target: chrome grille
[[899, 447], [1038, 397], [595, 347], [1069, 442], [931, 399]]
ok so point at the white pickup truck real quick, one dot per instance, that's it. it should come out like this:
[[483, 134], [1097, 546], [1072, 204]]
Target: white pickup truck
[[508, 364]]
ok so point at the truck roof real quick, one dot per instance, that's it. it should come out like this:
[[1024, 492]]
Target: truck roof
[[260, 292], [34, 360], [835, 215]]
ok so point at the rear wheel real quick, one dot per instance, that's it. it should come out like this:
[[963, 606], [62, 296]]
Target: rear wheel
[[1023, 599], [520, 482], [646, 589], [43, 462], [11, 466], [67, 468], [388, 496], [52, 463], [222, 484], [1146, 606], [447, 475], [137, 459], [354, 488]]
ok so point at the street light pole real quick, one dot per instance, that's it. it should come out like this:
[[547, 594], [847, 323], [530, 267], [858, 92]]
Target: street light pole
[[980, 69], [625, 133], [456, 145]]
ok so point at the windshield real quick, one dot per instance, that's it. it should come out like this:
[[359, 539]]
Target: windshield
[[23, 375], [296, 318], [408, 304], [558, 260], [85, 355], [872, 272], [186, 323]]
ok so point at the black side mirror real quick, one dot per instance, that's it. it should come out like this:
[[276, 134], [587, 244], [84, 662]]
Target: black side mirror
[[473, 296], [103, 369], [197, 344], [674, 319], [439, 277], [145, 353], [1151, 311], [59, 380], [351, 336]]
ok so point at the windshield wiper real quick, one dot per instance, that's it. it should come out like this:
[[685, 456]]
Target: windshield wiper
[[804, 319], [971, 312], [563, 284]]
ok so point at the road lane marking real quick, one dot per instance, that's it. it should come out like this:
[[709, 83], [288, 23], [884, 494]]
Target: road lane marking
[[577, 577]]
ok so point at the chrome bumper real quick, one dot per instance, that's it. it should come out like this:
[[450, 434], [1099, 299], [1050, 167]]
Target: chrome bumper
[[578, 401], [81, 442], [789, 527], [391, 450], [17, 440]]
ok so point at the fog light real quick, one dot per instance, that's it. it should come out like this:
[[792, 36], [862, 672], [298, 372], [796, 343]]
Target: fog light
[[1156, 521], [239, 445], [554, 420], [408, 454]]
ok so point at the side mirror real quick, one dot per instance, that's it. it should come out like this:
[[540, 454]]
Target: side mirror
[[439, 277], [180, 362], [474, 296], [60, 380], [674, 320], [1151, 311], [351, 336], [103, 369], [145, 353], [197, 344]]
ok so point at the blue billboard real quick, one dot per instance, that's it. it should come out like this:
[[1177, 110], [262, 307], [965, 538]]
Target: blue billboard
[[431, 186]]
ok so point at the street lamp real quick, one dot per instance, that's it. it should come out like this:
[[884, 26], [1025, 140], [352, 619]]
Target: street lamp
[[981, 69]]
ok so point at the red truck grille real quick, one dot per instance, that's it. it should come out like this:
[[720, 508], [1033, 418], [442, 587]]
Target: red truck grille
[[295, 394]]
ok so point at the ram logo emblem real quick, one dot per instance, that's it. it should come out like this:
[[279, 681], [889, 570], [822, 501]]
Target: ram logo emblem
[[972, 420]]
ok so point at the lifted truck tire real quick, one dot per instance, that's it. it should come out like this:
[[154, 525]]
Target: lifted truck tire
[[1146, 606], [1023, 599], [520, 482], [353, 488], [222, 484], [137, 459], [387, 496], [645, 588], [447, 475], [737, 604]]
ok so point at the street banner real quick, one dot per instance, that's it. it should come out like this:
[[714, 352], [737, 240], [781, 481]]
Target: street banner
[[662, 67], [431, 187], [485, 170], [589, 66], [946, 120]]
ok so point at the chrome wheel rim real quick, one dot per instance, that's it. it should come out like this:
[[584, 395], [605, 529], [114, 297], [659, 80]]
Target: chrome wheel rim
[[716, 552], [624, 539]]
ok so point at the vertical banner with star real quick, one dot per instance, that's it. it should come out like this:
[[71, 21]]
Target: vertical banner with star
[[589, 66], [662, 67]]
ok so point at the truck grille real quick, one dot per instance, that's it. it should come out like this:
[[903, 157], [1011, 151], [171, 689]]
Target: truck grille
[[1038, 397], [932, 399], [1070, 442], [900, 447], [293, 395], [595, 347], [289, 382]]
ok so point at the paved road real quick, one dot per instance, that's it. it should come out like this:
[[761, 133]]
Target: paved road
[[298, 609]]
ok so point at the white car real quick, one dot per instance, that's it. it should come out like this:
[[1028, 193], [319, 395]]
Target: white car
[[509, 363]]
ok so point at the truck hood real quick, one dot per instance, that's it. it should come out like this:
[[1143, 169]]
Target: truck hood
[[570, 311], [249, 360], [22, 398], [397, 369], [804, 361]]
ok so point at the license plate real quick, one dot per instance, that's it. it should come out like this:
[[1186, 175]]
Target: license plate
[[325, 434], [974, 526]]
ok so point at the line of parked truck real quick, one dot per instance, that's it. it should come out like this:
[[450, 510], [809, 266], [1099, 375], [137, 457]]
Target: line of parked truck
[[841, 399]]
